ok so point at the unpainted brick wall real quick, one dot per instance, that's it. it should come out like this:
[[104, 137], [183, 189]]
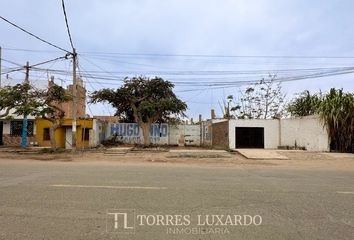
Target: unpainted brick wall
[[220, 135], [14, 141]]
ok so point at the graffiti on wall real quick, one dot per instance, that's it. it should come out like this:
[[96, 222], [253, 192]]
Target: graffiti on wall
[[132, 133]]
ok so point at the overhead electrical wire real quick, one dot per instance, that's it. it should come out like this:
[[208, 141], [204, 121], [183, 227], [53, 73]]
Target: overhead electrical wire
[[33, 35], [214, 56], [22, 67], [195, 55], [306, 75], [67, 24], [29, 50], [9, 61], [217, 73]]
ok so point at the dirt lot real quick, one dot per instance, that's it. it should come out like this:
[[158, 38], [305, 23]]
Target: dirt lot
[[296, 159]]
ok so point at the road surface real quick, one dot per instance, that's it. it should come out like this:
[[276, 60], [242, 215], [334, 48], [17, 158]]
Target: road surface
[[80, 200]]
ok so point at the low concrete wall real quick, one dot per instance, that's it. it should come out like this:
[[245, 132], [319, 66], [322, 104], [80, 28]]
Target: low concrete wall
[[97, 133], [184, 135], [160, 134], [206, 133], [305, 132], [131, 133]]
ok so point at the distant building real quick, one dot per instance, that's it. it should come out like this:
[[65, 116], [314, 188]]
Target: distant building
[[81, 100], [11, 130], [11, 126], [90, 133], [109, 119]]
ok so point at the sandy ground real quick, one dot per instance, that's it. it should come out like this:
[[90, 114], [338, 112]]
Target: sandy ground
[[296, 159]]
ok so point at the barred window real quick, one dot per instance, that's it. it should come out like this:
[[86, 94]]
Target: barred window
[[16, 128]]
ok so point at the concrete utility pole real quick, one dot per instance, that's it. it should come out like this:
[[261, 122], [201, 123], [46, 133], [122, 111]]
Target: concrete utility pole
[[24, 121], [27, 73], [74, 108]]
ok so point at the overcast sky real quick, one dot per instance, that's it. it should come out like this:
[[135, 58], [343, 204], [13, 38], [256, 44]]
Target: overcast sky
[[223, 31]]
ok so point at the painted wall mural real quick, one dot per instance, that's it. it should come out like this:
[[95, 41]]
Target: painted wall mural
[[132, 133]]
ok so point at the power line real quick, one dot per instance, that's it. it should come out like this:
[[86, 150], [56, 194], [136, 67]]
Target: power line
[[48, 61], [207, 74], [222, 84], [29, 50], [192, 55], [21, 67], [5, 60], [67, 24], [212, 56], [14, 70], [33, 35]]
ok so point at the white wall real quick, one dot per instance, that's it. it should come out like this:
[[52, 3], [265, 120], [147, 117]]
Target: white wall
[[97, 133], [271, 131], [6, 127], [184, 135], [307, 132]]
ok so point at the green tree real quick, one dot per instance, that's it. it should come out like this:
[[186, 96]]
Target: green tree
[[305, 104], [24, 99], [337, 113], [148, 100], [13, 98], [336, 110]]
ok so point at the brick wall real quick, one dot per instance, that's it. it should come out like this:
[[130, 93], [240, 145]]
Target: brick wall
[[15, 141], [81, 104], [220, 135], [81, 101]]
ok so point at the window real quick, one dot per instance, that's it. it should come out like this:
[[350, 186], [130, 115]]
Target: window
[[85, 134], [16, 128], [46, 135]]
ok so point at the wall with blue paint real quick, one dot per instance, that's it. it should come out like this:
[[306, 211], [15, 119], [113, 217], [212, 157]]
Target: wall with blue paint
[[131, 133]]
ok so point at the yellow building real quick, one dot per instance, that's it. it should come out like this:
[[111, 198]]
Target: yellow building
[[86, 133]]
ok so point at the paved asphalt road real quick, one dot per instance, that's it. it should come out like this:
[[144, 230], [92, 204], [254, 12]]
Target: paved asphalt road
[[70, 200]]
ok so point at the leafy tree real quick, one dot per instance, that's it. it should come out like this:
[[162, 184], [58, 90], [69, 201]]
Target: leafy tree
[[24, 99], [148, 100], [336, 110], [262, 100], [14, 96]]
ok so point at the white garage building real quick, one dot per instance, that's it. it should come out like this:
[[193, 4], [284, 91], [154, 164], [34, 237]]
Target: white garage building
[[306, 132]]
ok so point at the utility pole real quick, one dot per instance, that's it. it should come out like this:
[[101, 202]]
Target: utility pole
[[24, 121], [74, 108]]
